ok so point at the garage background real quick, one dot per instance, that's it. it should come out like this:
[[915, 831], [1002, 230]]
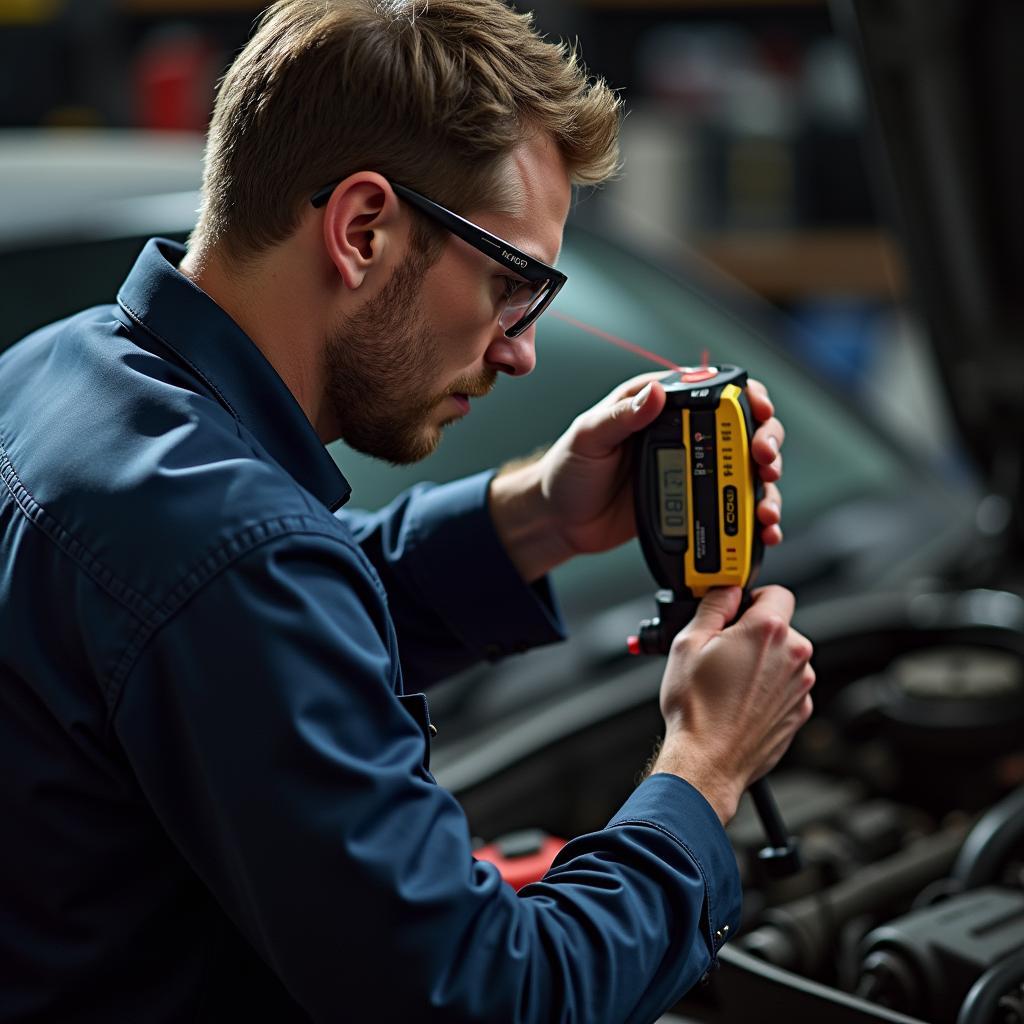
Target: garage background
[[745, 142]]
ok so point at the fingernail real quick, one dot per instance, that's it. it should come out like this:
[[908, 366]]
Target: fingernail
[[641, 397], [773, 444], [775, 508]]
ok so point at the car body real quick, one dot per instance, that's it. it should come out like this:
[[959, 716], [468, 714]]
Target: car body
[[913, 748]]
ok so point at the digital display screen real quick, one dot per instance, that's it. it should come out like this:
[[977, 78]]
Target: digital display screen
[[672, 491]]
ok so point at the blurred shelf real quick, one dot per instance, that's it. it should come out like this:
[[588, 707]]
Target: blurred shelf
[[192, 7], [27, 12], [787, 266]]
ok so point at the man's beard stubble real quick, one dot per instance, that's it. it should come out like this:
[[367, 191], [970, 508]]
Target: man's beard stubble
[[381, 364]]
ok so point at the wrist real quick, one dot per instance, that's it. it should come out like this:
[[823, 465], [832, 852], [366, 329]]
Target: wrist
[[523, 520], [683, 758]]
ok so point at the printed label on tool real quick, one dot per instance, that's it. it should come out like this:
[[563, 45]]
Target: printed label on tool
[[730, 506]]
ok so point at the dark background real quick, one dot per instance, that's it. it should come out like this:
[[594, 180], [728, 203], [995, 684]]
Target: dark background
[[745, 140]]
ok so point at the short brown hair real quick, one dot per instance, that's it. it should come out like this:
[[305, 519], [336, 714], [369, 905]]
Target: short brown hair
[[430, 93]]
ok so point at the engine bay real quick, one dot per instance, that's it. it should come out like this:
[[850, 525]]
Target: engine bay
[[905, 790]]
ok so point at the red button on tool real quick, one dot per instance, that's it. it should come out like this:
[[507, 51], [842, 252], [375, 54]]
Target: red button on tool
[[633, 645], [702, 373]]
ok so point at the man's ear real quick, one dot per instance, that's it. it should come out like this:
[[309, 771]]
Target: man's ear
[[361, 222]]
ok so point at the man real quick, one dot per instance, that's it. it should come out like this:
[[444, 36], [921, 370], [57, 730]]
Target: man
[[216, 798]]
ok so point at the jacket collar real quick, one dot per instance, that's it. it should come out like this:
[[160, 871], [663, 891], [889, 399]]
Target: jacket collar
[[185, 319]]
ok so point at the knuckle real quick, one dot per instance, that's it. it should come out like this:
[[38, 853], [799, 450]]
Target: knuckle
[[803, 649], [682, 645]]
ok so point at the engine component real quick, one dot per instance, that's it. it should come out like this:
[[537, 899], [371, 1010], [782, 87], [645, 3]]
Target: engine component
[[951, 698], [996, 839], [998, 995], [798, 935], [924, 963]]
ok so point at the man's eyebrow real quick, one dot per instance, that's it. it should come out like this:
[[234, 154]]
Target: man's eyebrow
[[512, 203]]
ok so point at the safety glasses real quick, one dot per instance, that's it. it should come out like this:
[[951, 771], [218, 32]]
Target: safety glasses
[[538, 283]]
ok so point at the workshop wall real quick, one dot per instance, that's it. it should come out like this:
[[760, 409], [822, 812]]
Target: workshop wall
[[745, 142]]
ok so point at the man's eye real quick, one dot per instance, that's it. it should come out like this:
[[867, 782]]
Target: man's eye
[[511, 286]]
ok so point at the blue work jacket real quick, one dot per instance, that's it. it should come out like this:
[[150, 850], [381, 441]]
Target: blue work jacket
[[213, 791]]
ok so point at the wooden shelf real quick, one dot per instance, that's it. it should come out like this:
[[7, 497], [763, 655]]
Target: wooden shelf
[[795, 265]]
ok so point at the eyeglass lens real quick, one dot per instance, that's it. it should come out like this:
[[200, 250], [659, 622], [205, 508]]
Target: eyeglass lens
[[521, 303]]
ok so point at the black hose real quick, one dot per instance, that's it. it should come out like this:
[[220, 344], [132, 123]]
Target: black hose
[[982, 1002], [798, 935], [990, 844]]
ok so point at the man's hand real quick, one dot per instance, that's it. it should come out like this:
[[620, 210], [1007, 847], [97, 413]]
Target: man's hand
[[733, 698], [578, 497]]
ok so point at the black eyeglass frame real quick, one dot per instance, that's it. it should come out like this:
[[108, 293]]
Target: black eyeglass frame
[[503, 253]]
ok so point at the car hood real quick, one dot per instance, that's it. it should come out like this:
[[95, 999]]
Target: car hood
[[944, 82]]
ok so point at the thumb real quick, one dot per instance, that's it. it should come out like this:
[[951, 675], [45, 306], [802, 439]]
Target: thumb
[[717, 609], [613, 424]]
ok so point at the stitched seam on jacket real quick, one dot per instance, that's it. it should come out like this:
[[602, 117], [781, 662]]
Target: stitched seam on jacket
[[420, 574], [136, 318], [99, 573], [696, 860], [202, 573], [239, 422]]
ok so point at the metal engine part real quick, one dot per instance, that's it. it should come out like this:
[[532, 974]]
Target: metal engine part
[[925, 962]]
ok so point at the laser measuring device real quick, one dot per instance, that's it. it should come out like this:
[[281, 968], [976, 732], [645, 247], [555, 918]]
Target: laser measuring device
[[695, 490]]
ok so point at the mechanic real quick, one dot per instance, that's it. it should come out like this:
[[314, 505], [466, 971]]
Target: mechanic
[[216, 798]]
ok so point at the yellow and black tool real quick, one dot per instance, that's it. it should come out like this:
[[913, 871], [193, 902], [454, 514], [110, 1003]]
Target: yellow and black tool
[[696, 490]]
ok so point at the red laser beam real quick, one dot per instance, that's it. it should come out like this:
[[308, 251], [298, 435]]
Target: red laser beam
[[621, 342]]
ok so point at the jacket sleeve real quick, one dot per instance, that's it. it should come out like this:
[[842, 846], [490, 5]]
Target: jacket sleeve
[[454, 594], [261, 723]]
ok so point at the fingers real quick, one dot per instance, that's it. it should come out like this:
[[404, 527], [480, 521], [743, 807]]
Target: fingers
[[765, 448], [765, 445], [794, 720], [770, 435], [788, 725], [602, 429], [760, 404], [808, 678], [769, 515], [771, 602], [634, 385], [769, 508]]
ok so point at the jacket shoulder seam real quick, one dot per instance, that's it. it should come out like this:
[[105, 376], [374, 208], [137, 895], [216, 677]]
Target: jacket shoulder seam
[[91, 565], [203, 572]]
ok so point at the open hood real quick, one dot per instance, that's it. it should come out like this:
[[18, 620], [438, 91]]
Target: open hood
[[945, 80]]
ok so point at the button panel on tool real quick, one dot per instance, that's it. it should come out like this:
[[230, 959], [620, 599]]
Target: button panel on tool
[[704, 474]]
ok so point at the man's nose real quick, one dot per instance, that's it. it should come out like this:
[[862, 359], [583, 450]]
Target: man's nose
[[515, 356]]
